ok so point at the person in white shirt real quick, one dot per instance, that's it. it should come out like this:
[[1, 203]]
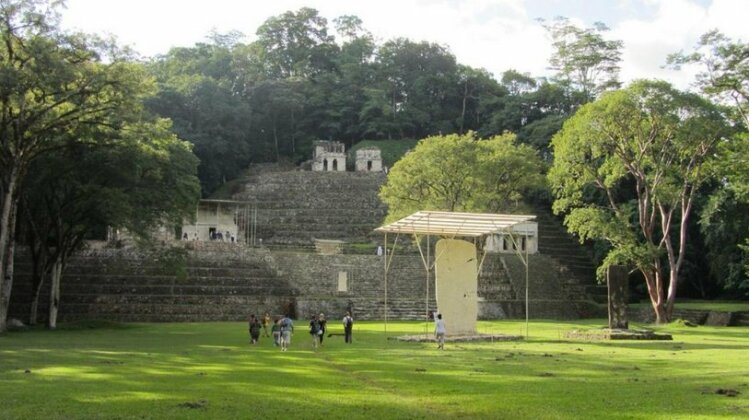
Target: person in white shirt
[[439, 332]]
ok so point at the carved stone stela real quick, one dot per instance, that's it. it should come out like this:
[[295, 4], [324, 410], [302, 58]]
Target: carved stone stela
[[617, 278]]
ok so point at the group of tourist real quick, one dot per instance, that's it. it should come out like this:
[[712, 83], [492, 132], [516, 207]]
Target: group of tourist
[[213, 236], [282, 328]]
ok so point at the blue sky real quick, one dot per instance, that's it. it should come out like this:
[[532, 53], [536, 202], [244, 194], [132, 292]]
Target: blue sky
[[492, 34]]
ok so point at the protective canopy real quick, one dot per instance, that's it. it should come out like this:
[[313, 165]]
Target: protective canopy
[[453, 224]]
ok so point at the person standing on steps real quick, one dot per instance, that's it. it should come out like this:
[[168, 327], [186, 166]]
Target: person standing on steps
[[439, 332], [348, 326]]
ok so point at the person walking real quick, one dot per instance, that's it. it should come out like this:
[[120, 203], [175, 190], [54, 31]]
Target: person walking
[[254, 329], [266, 322], [276, 331], [323, 326], [439, 332], [348, 326], [314, 332], [287, 328]]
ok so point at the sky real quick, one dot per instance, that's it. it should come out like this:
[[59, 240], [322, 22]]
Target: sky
[[493, 34]]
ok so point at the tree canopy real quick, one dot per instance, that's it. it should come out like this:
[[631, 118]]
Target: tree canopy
[[298, 82], [628, 168], [461, 173], [583, 58], [59, 88]]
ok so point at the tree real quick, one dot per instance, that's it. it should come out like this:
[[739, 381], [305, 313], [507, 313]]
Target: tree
[[460, 173], [724, 224], [518, 83], [54, 86], [535, 112], [583, 58], [146, 180], [421, 81], [208, 114], [627, 169], [477, 90], [296, 44], [724, 77], [725, 74]]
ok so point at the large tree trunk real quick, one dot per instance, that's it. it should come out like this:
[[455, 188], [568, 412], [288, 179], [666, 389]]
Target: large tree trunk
[[54, 294], [671, 298], [7, 244], [39, 270], [656, 295], [661, 313]]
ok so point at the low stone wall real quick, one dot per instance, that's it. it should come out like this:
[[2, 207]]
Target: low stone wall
[[697, 317]]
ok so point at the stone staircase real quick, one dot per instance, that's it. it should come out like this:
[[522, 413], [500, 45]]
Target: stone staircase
[[296, 207], [132, 286], [552, 292], [572, 258], [315, 280]]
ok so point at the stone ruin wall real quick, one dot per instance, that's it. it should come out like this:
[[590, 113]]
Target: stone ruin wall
[[228, 282], [329, 156], [368, 159]]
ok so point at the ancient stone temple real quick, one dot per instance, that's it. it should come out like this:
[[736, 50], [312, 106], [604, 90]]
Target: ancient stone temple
[[368, 159], [329, 156]]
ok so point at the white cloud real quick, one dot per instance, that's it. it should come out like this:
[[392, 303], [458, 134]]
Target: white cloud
[[676, 26], [730, 17]]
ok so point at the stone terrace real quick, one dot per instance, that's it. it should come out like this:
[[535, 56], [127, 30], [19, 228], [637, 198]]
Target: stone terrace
[[131, 286]]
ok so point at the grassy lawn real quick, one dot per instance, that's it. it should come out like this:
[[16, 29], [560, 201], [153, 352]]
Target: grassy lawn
[[208, 370]]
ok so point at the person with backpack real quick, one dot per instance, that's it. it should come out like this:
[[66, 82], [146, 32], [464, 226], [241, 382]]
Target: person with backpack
[[287, 328], [348, 326], [315, 331]]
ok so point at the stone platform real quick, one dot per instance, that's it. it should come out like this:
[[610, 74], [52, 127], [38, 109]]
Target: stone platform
[[615, 334], [421, 338]]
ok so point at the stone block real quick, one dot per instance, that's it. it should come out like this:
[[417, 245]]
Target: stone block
[[719, 319]]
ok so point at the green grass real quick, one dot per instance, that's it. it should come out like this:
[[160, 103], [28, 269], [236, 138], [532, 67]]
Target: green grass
[[208, 370]]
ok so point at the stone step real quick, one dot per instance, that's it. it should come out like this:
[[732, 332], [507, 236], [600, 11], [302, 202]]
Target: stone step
[[136, 281]]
